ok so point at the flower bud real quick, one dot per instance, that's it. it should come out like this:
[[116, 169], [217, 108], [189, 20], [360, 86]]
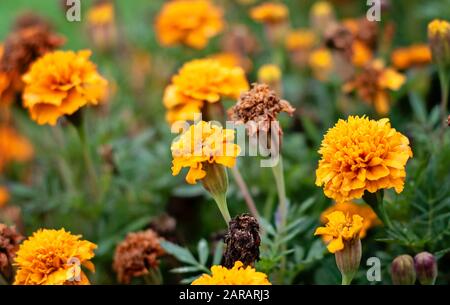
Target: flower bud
[[216, 183], [402, 270], [348, 259], [426, 268]]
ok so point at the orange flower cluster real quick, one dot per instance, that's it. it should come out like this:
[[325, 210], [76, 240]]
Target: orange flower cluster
[[60, 83], [188, 22], [198, 82], [361, 155], [415, 55]]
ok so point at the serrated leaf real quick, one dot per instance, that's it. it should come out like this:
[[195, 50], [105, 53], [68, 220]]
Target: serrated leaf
[[182, 254], [218, 253], [202, 248], [186, 269]]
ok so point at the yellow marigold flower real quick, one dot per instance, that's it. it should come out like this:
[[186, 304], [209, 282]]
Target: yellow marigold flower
[[101, 14], [438, 28], [203, 142], [370, 218], [201, 81], [439, 39], [301, 39], [238, 275], [321, 62], [53, 257], [361, 53], [322, 8], [340, 228], [372, 85], [415, 55], [361, 155], [60, 83], [269, 74], [13, 147], [269, 12], [4, 196], [189, 22]]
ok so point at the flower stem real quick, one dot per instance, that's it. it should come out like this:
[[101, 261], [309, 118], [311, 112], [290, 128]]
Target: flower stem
[[376, 202], [346, 280], [245, 192], [221, 201], [443, 77], [279, 180]]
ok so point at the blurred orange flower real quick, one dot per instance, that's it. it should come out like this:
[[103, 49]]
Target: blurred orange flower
[[361, 155], [372, 85], [203, 143], [201, 81], [301, 39], [361, 53], [370, 218], [60, 83], [4, 196], [415, 55], [321, 63], [188, 22], [13, 147], [270, 12], [54, 257], [101, 14]]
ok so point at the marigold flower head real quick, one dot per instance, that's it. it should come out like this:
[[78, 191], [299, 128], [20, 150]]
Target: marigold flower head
[[203, 143], [415, 55], [60, 83], [53, 257], [438, 28], [188, 22], [370, 218], [339, 228], [9, 244], [269, 74], [361, 53], [135, 255], [13, 147], [372, 85], [439, 39], [361, 155], [321, 16], [4, 196], [101, 13], [260, 105], [269, 12], [198, 82], [301, 39], [321, 62], [238, 275]]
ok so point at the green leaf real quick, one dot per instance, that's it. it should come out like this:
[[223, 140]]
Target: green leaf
[[186, 269], [203, 250], [218, 253], [182, 254]]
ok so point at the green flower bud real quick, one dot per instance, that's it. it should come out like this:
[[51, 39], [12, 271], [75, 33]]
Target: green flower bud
[[348, 260], [402, 270]]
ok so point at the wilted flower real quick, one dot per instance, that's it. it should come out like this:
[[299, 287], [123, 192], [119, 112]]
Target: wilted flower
[[137, 255], [54, 257], [60, 83], [402, 270], [269, 12], [364, 31], [198, 82], [415, 55], [202, 144], [9, 244], [13, 147], [239, 39], [372, 85], [370, 218], [338, 38], [238, 275], [361, 155], [242, 241], [188, 22], [260, 105]]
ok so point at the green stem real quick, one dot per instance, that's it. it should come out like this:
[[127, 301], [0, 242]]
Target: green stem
[[445, 91], [281, 188], [221, 201], [346, 280], [245, 192], [376, 202]]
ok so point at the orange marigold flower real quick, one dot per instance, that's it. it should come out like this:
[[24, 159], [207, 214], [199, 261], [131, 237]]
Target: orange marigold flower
[[200, 81], [60, 83], [321, 62], [188, 22], [4, 196], [415, 55], [340, 228], [202, 143], [372, 85], [361, 155], [238, 275], [101, 13], [301, 39], [269, 12], [54, 257], [361, 53], [370, 218], [13, 147]]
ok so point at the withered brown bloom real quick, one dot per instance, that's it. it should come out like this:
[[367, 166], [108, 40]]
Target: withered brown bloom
[[242, 241], [340, 38], [260, 105], [136, 255], [9, 244]]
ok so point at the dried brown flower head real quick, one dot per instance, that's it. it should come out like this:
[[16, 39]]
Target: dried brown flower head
[[242, 241], [364, 31], [260, 105], [9, 244], [340, 38], [136, 255]]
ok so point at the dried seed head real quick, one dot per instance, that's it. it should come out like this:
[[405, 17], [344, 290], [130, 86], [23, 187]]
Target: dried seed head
[[242, 241], [9, 244]]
